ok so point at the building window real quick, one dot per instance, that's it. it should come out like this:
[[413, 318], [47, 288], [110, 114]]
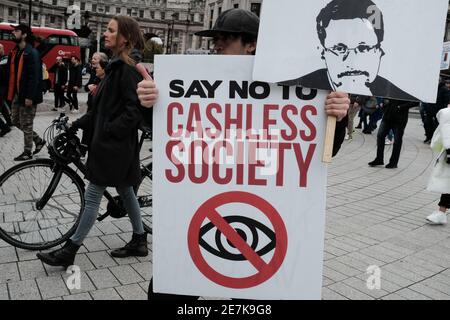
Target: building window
[[152, 14], [220, 10], [35, 16], [256, 8], [211, 17], [52, 19], [10, 12], [83, 6], [141, 13], [176, 16], [129, 12], [55, 2], [107, 9], [236, 5], [70, 2], [94, 8], [23, 15], [118, 10], [163, 15]]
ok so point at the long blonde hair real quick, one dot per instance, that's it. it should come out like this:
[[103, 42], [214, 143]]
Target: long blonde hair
[[129, 29]]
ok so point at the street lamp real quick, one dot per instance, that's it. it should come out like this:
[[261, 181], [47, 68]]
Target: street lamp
[[30, 7], [170, 27], [20, 12]]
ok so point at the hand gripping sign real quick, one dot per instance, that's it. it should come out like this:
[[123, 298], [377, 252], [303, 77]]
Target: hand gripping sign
[[239, 182]]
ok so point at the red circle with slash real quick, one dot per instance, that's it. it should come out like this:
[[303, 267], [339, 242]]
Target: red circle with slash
[[208, 211]]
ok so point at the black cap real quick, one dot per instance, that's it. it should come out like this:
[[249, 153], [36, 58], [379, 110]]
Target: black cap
[[234, 21], [23, 27]]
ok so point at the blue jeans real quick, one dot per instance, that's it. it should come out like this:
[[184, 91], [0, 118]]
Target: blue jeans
[[93, 197]]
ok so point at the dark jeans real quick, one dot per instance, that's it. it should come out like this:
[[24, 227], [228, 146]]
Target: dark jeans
[[430, 121], [399, 130], [72, 96], [445, 201], [59, 97]]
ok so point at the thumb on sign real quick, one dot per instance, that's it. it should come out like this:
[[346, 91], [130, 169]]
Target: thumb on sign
[[147, 91], [143, 71]]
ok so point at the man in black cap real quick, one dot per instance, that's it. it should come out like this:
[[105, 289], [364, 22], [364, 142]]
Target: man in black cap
[[25, 88], [235, 33]]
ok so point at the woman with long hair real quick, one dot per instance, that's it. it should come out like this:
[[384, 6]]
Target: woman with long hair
[[113, 151]]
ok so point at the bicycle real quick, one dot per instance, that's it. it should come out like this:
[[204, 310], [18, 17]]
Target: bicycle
[[44, 198]]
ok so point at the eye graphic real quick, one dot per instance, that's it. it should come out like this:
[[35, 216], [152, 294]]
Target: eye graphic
[[251, 224]]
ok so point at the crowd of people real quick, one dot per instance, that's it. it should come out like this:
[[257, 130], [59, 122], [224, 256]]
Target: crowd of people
[[117, 91]]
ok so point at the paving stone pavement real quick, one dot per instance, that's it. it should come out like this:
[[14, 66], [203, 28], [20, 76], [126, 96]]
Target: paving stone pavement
[[375, 217]]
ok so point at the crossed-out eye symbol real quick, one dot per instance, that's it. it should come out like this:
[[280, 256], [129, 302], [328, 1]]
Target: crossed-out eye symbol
[[239, 221]]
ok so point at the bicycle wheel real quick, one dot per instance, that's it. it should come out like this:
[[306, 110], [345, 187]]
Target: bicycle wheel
[[145, 198], [22, 224]]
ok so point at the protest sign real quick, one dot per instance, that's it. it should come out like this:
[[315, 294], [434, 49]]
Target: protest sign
[[239, 185], [379, 48]]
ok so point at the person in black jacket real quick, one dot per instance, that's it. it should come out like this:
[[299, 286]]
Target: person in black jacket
[[113, 158], [25, 88], [396, 118], [75, 83], [60, 83]]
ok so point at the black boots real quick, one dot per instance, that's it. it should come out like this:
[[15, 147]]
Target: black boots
[[63, 257], [137, 247], [376, 162]]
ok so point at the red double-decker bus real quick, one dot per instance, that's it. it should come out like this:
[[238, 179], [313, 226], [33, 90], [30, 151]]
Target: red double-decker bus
[[51, 43]]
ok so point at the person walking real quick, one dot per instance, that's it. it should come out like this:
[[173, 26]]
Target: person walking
[[60, 83], [75, 83], [355, 106], [395, 118], [113, 154], [439, 181], [25, 88]]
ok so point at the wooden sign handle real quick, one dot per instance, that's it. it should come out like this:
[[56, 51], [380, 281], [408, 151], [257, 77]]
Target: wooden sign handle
[[329, 139]]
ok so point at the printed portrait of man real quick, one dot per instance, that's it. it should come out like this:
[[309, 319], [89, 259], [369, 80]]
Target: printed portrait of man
[[351, 34]]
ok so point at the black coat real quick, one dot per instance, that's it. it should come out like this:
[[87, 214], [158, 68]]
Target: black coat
[[397, 111], [113, 122], [75, 76], [31, 84], [61, 71]]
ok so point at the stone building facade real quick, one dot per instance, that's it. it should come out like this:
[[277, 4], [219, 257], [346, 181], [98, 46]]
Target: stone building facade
[[173, 21]]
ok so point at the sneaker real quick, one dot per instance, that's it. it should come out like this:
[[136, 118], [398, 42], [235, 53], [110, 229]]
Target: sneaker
[[75, 111], [39, 146], [391, 166], [376, 162], [388, 142], [347, 137], [24, 156], [437, 217], [54, 109]]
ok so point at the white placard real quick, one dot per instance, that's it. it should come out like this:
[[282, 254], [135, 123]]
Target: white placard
[[445, 62], [386, 48], [238, 211]]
